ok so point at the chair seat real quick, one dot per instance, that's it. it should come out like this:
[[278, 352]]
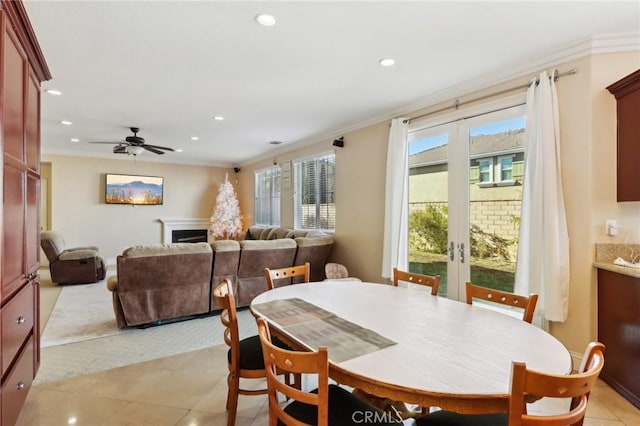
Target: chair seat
[[448, 418], [251, 352], [344, 409]]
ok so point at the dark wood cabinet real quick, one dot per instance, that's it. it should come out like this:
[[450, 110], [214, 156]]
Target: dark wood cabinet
[[619, 330], [627, 94], [22, 69]]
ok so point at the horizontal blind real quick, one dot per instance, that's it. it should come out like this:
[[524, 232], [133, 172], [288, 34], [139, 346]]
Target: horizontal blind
[[314, 197], [267, 203]]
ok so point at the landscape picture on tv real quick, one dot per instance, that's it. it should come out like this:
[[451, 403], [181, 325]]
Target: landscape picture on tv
[[131, 189]]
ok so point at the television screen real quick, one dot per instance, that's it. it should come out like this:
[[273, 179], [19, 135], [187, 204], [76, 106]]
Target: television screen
[[131, 189]]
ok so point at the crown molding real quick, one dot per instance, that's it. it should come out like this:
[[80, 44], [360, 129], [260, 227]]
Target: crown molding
[[601, 44]]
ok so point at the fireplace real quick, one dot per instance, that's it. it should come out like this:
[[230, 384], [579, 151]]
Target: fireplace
[[188, 230], [189, 236]]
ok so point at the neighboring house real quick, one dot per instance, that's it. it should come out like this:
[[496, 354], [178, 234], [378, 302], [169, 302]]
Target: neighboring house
[[496, 171]]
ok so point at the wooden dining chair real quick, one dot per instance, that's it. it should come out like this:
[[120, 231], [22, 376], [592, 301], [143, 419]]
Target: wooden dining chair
[[326, 405], [244, 356], [413, 278], [525, 383], [283, 273], [528, 303]]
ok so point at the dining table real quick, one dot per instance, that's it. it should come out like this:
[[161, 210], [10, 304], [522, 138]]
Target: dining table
[[407, 345]]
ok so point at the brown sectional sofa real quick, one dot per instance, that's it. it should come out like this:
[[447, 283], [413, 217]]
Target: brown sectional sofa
[[267, 248], [161, 282]]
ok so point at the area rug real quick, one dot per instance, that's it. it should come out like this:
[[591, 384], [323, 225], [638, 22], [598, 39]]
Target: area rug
[[82, 312], [81, 336]]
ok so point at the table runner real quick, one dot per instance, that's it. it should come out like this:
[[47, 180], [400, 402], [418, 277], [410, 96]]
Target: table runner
[[318, 327]]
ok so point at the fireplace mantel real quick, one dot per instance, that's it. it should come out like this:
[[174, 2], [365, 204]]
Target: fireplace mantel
[[169, 225]]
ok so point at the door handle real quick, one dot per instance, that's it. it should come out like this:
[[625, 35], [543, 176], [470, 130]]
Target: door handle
[[461, 252], [452, 251]]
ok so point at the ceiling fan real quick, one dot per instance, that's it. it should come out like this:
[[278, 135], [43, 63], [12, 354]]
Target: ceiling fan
[[134, 145]]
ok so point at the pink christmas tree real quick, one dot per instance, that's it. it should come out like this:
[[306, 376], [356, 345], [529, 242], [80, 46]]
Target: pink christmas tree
[[226, 220]]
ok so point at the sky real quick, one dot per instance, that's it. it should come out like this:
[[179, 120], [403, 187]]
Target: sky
[[438, 140]]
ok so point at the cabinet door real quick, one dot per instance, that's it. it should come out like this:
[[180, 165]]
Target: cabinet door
[[32, 125], [32, 227], [13, 97], [13, 230], [629, 146]]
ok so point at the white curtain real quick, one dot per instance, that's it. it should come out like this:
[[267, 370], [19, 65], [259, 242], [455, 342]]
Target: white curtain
[[395, 248], [543, 246]]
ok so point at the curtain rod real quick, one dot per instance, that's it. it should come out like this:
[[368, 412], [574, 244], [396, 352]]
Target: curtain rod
[[457, 104]]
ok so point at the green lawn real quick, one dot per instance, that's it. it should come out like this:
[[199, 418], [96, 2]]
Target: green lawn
[[486, 273]]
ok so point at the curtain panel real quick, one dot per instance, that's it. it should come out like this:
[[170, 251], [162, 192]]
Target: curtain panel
[[396, 217], [543, 245]]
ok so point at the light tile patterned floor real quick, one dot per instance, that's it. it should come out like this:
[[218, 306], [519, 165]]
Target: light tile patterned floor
[[190, 390]]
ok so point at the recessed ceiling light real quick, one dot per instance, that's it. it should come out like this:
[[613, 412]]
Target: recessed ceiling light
[[178, 150], [387, 62], [74, 140], [265, 20], [195, 138], [218, 117], [53, 92], [66, 122], [275, 142]]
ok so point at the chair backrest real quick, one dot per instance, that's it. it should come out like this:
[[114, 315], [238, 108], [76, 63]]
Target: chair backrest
[[223, 293], [411, 277], [528, 303], [289, 272], [52, 244], [277, 359], [335, 270], [576, 386]]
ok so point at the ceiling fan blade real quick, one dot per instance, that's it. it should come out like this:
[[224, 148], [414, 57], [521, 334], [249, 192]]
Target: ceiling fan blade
[[152, 149], [159, 147], [112, 143]]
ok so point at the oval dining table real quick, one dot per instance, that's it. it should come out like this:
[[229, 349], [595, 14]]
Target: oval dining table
[[441, 353]]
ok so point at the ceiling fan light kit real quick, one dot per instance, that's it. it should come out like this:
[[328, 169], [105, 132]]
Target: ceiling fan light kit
[[135, 145]]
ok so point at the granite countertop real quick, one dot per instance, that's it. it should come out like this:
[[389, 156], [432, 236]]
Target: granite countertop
[[606, 253]]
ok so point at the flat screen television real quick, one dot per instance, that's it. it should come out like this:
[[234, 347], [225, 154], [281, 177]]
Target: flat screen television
[[133, 189]]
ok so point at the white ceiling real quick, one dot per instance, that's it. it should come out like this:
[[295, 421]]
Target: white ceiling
[[169, 67]]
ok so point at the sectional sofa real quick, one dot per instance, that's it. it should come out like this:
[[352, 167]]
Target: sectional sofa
[[163, 282]]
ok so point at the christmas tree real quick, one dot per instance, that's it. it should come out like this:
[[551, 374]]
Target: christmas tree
[[226, 220]]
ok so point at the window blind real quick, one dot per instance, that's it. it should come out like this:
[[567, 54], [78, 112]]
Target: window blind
[[267, 203], [315, 193]]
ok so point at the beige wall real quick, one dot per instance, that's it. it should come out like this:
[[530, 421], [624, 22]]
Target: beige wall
[[587, 119], [79, 211], [588, 132]]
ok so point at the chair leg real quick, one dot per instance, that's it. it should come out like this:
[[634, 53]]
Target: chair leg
[[233, 385]]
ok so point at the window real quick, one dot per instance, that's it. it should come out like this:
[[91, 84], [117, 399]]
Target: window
[[268, 196], [486, 170], [315, 193], [505, 167]]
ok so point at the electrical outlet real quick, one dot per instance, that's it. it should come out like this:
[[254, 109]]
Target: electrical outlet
[[611, 227]]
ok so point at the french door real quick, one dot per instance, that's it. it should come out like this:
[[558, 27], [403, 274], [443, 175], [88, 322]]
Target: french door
[[465, 192]]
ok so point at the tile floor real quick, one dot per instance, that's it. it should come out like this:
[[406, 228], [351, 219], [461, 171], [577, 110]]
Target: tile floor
[[190, 390]]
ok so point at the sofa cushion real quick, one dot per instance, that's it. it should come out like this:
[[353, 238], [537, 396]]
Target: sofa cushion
[[77, 254], [267, 244], [278, 233], [225, 245], [52, 244], [167, 249], [315, 241]]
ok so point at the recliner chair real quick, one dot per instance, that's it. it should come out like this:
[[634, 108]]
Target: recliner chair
[[77, 265]]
